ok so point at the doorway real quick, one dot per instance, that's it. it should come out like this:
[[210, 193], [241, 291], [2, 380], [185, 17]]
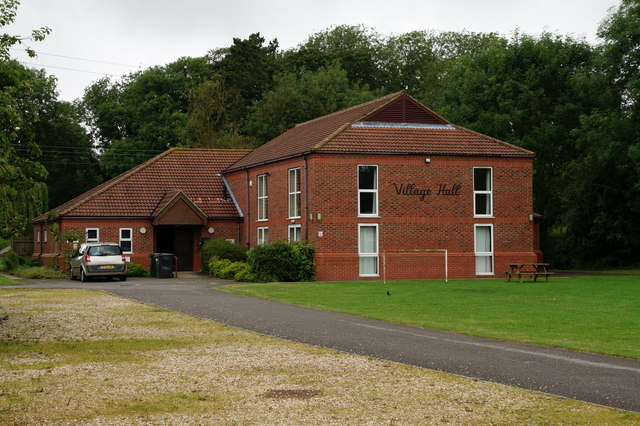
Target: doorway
[[179, 241]]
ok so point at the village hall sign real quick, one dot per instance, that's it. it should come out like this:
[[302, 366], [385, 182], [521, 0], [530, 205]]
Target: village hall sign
[[411, 189]]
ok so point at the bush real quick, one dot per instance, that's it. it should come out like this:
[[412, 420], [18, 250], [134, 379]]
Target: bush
[[3, 266], [282, 261], [38, 272], [228, 270], [135, 270], [222, 249], [13, 260]]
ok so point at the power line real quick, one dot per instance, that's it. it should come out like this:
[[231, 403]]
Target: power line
[[69, 69], [81, 59]]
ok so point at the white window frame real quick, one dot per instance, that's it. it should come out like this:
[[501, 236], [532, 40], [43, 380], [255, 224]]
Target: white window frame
[[130, 239], [37, 236], [489, 193], [373, 191], [484, 254], [263, 198], [375, 254], [295, 194], [92, 240], [44, 240], [295, 229], [263, 235]]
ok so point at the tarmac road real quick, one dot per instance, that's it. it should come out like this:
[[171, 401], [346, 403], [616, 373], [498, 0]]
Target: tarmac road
[[600, 379]]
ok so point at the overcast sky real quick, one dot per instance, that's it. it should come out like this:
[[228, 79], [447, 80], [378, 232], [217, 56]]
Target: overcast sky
[[89, 37]]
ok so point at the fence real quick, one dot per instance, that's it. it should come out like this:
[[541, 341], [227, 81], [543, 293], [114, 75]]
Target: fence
[[22, 245]]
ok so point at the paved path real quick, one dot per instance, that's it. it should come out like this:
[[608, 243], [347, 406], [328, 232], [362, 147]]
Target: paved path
[[600, 379]]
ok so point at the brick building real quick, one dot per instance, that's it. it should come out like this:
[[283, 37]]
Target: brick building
[[386, 187]]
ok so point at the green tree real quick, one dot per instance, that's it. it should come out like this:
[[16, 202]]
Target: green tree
[[142, 115], [22, 190], [298, 97]]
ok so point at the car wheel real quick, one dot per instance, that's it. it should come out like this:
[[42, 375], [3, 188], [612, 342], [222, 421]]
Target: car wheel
[[83, 277], [71, 276], [123, 278]]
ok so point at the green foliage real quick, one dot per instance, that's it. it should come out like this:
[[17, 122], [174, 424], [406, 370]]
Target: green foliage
[[3, 265], [12, 260], [38, 272], [135, 270], [282, 261], [222, 249], [228, 270]]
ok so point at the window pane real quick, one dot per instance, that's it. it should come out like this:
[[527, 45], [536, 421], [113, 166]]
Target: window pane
[[483, 205], [484, 264], [92, 234], [482, 179], [483, 239], [125, 234], [126, 246], [369, 265], [367, 177], [368, 203], [368, 239]]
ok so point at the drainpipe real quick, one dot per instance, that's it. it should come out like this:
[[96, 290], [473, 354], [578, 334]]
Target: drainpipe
[[306, 199], [248, 215]]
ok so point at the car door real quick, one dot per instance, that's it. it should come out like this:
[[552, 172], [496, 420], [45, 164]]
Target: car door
[[75, 260]]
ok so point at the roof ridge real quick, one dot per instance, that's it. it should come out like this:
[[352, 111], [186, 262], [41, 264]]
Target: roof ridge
[[510, 145], [390, 96], [348, 124], [187, 148], [83, 198]]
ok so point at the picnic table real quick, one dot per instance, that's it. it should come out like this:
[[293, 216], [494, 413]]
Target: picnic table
[[532, 270]]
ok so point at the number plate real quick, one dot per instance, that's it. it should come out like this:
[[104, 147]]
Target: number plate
[[107, 267]]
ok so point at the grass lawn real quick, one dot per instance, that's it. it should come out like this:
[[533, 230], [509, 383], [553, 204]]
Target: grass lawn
[[85, 357], [7, 281], [594, 314]]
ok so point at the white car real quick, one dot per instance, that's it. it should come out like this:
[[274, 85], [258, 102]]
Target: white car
[[98, 260]]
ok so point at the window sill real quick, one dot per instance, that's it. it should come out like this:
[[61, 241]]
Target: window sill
[[294, 218], [483, 217], [369, 216], [262, 220]]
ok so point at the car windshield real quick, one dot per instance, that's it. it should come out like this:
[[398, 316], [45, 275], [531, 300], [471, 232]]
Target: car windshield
[[104, 251]]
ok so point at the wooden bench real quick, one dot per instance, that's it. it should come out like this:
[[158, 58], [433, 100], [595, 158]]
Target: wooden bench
[[531, 270]]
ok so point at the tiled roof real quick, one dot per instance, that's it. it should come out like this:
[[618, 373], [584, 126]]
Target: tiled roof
[[414, 130], [305, 136], [445, 140], [139, 192]]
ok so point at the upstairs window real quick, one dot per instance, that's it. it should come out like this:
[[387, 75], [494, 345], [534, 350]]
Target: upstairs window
[[294, 193], [482, 192], [263, 198], [367, 190], [93, 235]]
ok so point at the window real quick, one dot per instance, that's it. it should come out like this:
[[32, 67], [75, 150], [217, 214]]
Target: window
[[294, 193], [45, 236], [482, 192], [368, 249], [262, 198], [93, 235], [38, 237], [295, 233], [484, 249], [367, 190], [263, 235], [126, 240]]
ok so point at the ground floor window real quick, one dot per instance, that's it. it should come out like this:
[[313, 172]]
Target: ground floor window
[[93, 235], [126, 240], [484, 249], [263, 235], [295, 233], [368, 249]]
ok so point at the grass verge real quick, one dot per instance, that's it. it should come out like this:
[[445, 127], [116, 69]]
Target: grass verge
[[72, 356], [8, 281], [595, 314]]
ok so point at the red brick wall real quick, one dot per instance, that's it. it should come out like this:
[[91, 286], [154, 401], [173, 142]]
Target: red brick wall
[[407, 223]]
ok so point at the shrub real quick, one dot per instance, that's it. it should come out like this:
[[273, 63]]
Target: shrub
[[3, 266], [13, 260], [135, 270], [230, 271], [215, 265], [282, 261], [222, 249], [38, 272]]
